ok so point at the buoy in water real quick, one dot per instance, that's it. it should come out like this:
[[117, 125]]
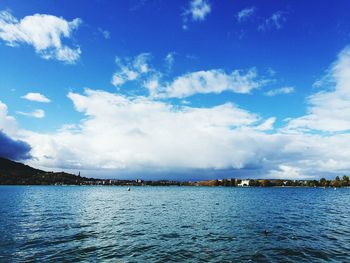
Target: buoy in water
[[266, 232]]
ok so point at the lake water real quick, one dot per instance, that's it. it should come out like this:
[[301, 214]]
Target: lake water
[[173, 224]]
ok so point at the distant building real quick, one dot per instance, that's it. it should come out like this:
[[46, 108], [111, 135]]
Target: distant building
[[244, 183]]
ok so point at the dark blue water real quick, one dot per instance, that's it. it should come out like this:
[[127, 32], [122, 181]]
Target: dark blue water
[[173, 224]]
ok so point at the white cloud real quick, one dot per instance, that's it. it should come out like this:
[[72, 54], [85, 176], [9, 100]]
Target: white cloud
[[329, 109], [39, 114], [245, 13], [153, 85], [211, 81], [43, 32], [284, 90], [130, 133], [169, 60], [131, 69], [105, 33], [316, 155], [288, 172], [144, 133], [7, 123], [271, 72], [203, 82], [275, 21], [267, 125], [197, 11], [66, 54], [33, 96]]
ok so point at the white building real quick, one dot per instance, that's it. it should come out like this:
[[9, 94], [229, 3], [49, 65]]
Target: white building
[[244, 183]]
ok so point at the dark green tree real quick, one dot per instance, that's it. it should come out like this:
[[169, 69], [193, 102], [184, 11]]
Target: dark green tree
[[323, 181], [252, 182], [278, 182], [345, 181], [265, 183], [238, 181]]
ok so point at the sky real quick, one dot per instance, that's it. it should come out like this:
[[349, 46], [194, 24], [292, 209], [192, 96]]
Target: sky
[[184, 90]]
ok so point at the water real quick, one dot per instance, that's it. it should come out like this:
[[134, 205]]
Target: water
[[173, 224]]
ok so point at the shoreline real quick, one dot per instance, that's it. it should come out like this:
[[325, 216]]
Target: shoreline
[[197, 186]]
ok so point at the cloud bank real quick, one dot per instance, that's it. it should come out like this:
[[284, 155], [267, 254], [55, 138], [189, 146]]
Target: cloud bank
[[8, 123], [10, 147], [328, 110], [145, 133], [13, 149], [139, 133]]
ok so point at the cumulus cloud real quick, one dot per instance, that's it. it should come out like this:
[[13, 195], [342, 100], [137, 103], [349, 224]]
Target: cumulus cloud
[[210, 81], [13, 149], [275, 21], [153, 85], [328, 109], [7, 123], [245, 13], [313, 155], [131, 69], [129, 133], [140, 134], [38, 97], [284, 90], [10, 146], [267, 124], [136, 134], [124, 133], [44, 32], [132, 134], [38, 113], [288, 172], [197, 11]]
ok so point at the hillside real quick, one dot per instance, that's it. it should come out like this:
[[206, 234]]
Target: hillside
[[14, 173]]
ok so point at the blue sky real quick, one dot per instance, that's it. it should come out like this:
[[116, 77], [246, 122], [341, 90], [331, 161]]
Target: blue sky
[[215, 70]]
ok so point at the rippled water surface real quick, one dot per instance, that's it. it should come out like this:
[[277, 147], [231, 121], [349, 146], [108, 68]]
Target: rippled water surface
[[173, 224]]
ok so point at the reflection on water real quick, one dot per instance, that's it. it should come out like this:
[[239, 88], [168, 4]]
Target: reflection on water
[[178, 224]]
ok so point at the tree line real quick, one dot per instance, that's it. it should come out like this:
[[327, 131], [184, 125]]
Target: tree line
[[323, 182]]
